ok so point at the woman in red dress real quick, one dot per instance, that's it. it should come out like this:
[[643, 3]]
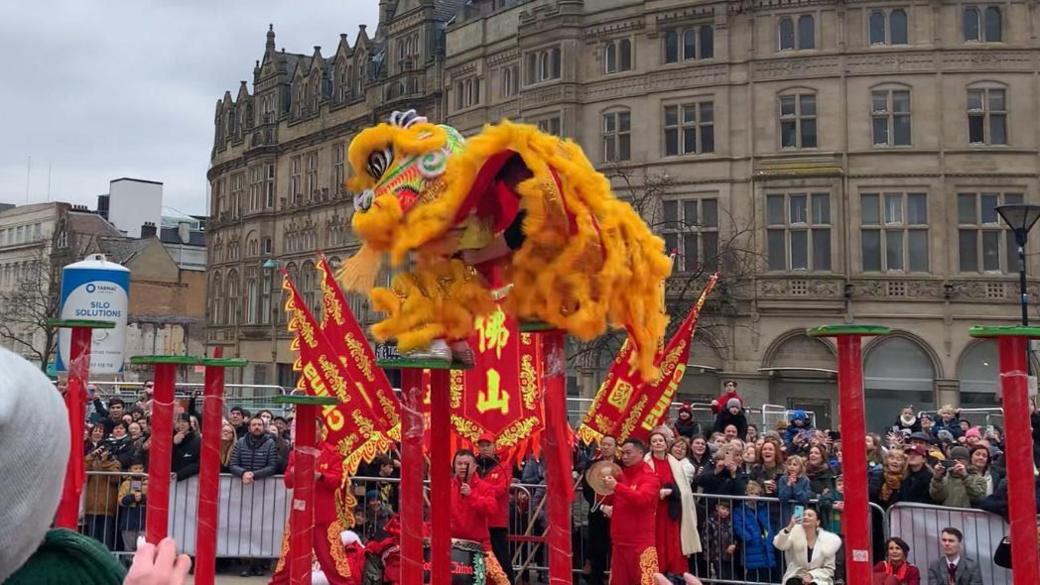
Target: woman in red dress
[[675, 526]]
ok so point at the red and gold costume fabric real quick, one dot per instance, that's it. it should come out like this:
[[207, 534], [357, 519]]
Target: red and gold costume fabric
[[633, 556], [667, 531]]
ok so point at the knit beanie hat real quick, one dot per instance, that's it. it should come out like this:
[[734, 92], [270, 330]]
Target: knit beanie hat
[[34, 449], [733, 403], [69, 558]]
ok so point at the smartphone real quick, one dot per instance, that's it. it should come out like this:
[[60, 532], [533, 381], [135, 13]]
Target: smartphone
[[135, 486], [947, 463], [799, 513]]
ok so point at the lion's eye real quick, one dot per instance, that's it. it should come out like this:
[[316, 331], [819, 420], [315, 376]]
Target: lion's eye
[[379, 161]]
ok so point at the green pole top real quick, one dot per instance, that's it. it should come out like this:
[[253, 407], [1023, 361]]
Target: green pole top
[[81, 324], [536, 326], [406, 363], [176, 360], [988, 331], [225, 362], [849, 329], [305, 399]]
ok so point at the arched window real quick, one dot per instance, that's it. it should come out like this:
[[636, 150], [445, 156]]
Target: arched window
[[806, 32], [232, 301], [897, 372], [252, 297], [216, 299], [611, 58], [785, 33], [898, 29], [877, 27]]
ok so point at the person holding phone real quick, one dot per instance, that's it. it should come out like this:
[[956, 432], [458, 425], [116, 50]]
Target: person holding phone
[[955, 483], [793, 487], [810, 551], [133, 502]]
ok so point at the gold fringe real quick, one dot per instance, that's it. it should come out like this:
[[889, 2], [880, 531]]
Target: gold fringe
[[359, 272]]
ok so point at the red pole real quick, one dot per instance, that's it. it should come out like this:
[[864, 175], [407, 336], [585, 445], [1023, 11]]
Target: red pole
[[440, 477], [856, 516], [209, 477], [301, 523], [557, 453], [412, 465], [75, 474], [1014, 382], [160, 454]]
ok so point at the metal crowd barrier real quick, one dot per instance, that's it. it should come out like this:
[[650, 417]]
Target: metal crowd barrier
[[252, 519]]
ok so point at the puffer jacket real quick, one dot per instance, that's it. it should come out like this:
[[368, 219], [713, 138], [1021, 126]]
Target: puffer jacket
[[957, 492], [752, 528], [256, 454], [102, 490]]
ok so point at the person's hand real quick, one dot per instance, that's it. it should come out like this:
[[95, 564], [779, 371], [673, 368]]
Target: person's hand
[[608, 511], [177, 438], [770, 486], [791, 480], [938, 471], [247, 477], [719, 465], [137, 497], [665, 493], [158, 565], [731, 549], [792, 523], [465, 489], [807, 579], [610, 482], [959, 470]]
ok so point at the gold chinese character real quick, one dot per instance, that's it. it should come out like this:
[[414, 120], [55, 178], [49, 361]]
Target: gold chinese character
[[620, 394], [493, 397], [493, 332]]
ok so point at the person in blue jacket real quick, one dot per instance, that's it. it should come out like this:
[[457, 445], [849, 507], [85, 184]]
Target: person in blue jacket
[[799, 423], [793, 487], [752, 530]]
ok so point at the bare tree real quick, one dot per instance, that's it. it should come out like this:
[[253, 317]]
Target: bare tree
[[717, 242]]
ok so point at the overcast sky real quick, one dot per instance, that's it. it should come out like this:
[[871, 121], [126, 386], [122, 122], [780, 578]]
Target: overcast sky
[[102, 89]]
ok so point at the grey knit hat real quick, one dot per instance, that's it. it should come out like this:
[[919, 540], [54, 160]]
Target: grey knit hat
[[34, 450]]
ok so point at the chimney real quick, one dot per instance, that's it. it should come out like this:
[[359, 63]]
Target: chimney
[[184, 232], [148, 230]]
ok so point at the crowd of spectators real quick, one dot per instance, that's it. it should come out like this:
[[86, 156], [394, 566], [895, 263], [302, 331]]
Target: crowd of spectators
[[731, 489]]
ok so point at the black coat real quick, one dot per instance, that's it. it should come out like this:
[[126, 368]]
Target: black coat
[[723, 419], [688, 429], [186, 456], [915, 487], [256, 454], [722, 483]]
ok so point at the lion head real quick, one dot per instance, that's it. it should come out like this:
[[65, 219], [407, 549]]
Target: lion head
[[397, 166]]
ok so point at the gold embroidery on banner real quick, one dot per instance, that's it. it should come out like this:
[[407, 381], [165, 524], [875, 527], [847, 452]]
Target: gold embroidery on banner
[[455, 389], [493, 332], [285, 549], [465, 427], [360, 357], [339, 556], [493, 396], [528, 381], [632, 419], [648, 566], [517, 431], [620, 394]]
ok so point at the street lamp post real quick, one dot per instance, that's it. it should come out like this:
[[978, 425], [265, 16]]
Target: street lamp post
[[270, 266], [1021, 218]]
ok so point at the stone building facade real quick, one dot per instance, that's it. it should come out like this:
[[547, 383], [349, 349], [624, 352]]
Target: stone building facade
[[855, 150]]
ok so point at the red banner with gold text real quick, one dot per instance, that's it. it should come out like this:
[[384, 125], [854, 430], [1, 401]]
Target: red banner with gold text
[[500, 395], [351, 425], [626, 406], [345, 333]]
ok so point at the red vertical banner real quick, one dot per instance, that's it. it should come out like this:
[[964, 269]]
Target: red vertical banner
[[353, 424], [75, 396], [556, 450], [626, 405], [499, 395], [341, 326]]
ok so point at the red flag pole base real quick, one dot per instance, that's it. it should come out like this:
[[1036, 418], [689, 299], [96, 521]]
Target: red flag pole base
[[160, 452], [78, 364], [209, 469], [1014, 384], [856, 514]]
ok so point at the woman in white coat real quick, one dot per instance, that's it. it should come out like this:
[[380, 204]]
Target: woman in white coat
[[809, 550]]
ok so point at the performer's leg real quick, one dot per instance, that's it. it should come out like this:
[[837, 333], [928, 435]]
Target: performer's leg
[[331, 555], [500, 547], [495, 574]]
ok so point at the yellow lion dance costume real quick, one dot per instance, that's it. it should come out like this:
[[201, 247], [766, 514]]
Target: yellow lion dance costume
[[586, 259]]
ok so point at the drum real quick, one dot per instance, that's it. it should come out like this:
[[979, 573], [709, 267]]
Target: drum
[[467, 563]]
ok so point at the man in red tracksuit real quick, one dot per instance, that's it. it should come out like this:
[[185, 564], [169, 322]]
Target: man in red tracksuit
[[498, 479], [472, 505], [328, 548], [632, 507]]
